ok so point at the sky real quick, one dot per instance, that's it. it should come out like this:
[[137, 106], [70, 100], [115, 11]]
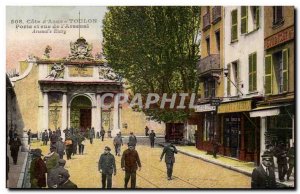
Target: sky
[[22, 40]]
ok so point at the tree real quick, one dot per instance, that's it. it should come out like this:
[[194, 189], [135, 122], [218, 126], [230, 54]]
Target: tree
[[156, 50]]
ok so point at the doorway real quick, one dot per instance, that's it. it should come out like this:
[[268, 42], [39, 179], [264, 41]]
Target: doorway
[[81, 113]]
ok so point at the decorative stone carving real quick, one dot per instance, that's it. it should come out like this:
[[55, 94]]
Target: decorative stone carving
[[47, 51], [80, 50], [56, 70], [107, 73]]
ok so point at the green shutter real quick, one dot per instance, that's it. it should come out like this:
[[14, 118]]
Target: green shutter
[[244, 19], [268, 74], [234, 25], [250, 73], [257, 17], [254, 64], [228, 80], [285, 70]]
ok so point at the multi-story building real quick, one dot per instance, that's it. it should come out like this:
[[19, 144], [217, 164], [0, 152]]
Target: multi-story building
[[210, 75], [277, 110]]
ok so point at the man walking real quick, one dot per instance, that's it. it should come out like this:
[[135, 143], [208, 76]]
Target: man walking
[[81, 143], [169, 152], [152, 137], [102, 133], [69, 147], [45, 137], [118, 142], [132, 139], [263, 176], [281, 155], [29, 136], [107, 167], [130, 162], [91, 134], [60, 148], [15, 144]]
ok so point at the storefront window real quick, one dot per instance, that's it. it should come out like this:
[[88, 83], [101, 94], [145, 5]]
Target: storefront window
[[232, 125], [209, 125]]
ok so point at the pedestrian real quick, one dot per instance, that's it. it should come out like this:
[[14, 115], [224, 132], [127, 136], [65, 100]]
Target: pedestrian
[[45, 137], [60, 148], [64, 181], [58, 132], [281, 155], [29, 136], [102, 133], [53, 138], [215, 145], [270, 149], [146, 131], [51, 159], [74, 143], [169, 152], [15, 144], [263, 176], [49, 133], [37, 169], [152, 137], [91, 134], [11, 133], [69, 147], [118, 142], [107, 167], [130, 162], [81, 143], [291, 156], [53, 175], [132, 139]]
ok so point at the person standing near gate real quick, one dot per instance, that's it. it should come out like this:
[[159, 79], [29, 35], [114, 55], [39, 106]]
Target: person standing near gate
[[169, 152], [129, 163], [263, 176], [15, 144], [102, 133], [107, 167], [152, 137]]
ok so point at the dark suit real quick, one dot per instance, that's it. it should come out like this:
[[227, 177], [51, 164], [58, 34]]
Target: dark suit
[[169, 152], [130, 161], [152, 138], [260, 179], [108, 166], [68, 185]]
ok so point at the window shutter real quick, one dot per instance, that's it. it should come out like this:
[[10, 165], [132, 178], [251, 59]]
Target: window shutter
[[250, 62], [233, 25], [285, 70], [257, 17], [228, 80], [244, 19], [268, 74], [254, 65]]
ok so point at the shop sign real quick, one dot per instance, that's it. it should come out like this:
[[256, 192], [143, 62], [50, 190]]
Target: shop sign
[[215, 102], [231, 107], [205, 108], [280, 37]]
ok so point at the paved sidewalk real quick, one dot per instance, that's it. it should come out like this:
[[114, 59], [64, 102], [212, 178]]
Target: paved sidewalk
[[227, 162]]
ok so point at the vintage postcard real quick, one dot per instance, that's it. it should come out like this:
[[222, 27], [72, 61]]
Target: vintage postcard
[[150, 97]]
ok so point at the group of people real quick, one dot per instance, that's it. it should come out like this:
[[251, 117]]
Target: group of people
[[263, 177], [53, 166]]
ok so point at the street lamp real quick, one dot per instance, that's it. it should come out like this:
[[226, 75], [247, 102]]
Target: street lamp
[[226, 72]]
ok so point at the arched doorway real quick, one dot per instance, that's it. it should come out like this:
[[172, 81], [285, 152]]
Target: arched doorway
[[81, 113]]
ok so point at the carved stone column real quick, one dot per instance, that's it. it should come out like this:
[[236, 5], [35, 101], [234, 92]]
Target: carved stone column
[[46, 111], [64, 116]]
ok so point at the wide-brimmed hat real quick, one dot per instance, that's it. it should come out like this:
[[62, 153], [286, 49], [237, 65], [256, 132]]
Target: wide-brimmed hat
[[267, 154], [36, 152], [107, 148]]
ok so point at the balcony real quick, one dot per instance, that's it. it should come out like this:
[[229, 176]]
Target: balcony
[[209, 66], [216, 14], [206, 21]]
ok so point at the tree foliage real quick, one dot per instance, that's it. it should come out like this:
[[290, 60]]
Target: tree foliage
[[155, 49]]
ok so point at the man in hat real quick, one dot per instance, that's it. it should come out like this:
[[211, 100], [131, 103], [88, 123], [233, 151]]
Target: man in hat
[[69, 147], [107, 166], [130, 162], [169, 152], [118, 142], [102, 133], [53, 175], [263, 176], [281, 155], [152, 137], [91, 134], [64, 181], [15, 144], [37, 169], [60, 148], [132, 139], [51, 159], [45, 137], [29, 136]]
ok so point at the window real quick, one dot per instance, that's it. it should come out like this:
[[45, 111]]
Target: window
[[228, 80], [252, 72], [209, 88], [244, 19], [276, 72], [218, 40], [277, 15], [234, 27], [256, 16], [235, 72], [207, 40], [209, 125]]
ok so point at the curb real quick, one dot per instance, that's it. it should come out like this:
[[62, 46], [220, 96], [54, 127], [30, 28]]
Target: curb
[[22, 173]]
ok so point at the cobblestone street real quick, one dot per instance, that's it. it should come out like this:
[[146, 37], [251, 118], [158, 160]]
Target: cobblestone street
[[188, 171]]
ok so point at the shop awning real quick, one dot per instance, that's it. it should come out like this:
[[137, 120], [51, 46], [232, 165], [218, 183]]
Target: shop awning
[[265, 111]]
